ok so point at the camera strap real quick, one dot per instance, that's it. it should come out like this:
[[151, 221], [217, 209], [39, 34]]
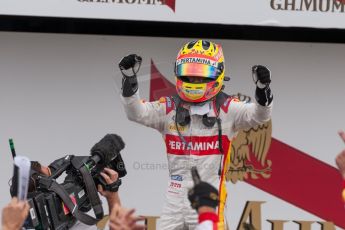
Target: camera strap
[[92, 192], [61, 192], [90, 186]]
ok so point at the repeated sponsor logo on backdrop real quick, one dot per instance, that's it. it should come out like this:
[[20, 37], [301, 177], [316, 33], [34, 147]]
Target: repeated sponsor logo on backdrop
[[325, 6], [332, 6], [169, 3]]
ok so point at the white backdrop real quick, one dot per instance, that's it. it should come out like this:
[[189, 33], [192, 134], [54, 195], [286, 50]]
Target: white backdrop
[[299, 13], [59, 94]]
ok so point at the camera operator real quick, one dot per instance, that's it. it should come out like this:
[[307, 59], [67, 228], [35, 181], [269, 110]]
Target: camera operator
[[67, 204], [110, 176], [120, 218], [14, 214]]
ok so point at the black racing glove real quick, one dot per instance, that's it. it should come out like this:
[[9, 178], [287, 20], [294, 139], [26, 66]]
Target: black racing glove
[[203, 194], [129, 66], [261, 76], [262, 79]]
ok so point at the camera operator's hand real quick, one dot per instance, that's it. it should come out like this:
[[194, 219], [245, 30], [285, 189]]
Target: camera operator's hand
[[14, 214], [110, 176], [123, 219]]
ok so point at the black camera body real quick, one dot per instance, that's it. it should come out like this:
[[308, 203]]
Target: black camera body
[[47, 210], [58, 206]]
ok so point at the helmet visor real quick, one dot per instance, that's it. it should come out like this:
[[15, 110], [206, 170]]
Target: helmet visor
[[197, 70]]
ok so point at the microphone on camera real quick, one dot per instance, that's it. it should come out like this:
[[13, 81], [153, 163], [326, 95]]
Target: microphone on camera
[[107, 149]]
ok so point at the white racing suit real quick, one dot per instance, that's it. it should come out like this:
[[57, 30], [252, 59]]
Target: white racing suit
[[202, 149]]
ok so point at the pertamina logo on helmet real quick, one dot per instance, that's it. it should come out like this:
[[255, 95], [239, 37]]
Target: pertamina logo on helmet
[[197, 60]]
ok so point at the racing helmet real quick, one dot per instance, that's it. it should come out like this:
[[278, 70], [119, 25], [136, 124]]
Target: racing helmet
[[199, 71]]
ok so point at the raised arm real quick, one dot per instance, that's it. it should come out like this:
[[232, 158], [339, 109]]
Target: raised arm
[[248, 115], [151, 114]]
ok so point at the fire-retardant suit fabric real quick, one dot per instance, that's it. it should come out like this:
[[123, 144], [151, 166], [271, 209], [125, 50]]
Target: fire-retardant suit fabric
[[200, 149]]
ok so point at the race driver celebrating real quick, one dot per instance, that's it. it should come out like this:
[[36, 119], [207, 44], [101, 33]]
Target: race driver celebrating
[[197, 124]]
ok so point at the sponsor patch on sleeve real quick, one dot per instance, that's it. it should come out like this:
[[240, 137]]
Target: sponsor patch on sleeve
[[169, 104]]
